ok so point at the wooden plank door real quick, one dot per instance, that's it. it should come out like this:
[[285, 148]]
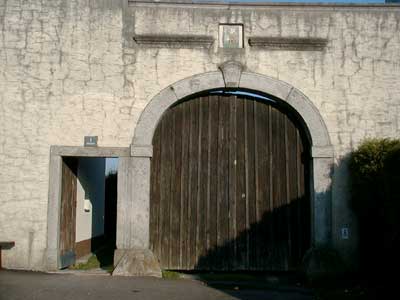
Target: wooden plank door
[[68, 211], [228, 186]]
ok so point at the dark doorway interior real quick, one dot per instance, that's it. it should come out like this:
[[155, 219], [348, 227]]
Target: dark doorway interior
[[88, 213], [105, 257]]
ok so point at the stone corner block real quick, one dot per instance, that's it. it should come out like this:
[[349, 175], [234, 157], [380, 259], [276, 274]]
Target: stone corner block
[[142, 150], [322, 151], [136, 262], [231, 71]]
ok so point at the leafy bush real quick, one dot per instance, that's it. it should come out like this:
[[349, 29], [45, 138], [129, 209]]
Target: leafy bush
[[368, 160], [367, 167], [375, 173]]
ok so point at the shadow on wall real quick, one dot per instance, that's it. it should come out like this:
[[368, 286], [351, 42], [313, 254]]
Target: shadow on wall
[[376, 203], [371, 209], [106, 253], [110, 215]]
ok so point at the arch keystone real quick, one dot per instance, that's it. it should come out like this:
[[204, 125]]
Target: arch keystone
[[231, 72]]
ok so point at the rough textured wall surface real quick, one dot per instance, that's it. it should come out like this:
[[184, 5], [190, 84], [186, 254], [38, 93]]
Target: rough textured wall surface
[[72, 68], [61, 78]]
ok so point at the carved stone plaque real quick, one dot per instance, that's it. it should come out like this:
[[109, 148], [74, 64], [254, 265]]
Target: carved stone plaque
[[231, 36]]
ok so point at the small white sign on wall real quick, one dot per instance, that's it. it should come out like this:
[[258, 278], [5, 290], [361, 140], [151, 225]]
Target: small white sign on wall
[[344, 232], [87, 205], [231, 36]]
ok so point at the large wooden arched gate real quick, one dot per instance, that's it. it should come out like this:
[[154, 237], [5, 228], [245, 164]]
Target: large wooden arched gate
[[229, 186]]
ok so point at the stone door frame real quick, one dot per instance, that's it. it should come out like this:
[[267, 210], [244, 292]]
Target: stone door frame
[[55, 183]]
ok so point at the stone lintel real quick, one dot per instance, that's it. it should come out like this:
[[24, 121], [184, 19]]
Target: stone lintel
[[90, 151], [254, 4]]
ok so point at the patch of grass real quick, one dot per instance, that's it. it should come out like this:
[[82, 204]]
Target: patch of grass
[[92, 263], [170, 275], [102, 258]]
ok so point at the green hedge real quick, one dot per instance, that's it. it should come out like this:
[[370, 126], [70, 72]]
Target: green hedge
[[375, 174]]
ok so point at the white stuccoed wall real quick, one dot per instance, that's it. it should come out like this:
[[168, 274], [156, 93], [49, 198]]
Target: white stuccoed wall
[[70, 69]]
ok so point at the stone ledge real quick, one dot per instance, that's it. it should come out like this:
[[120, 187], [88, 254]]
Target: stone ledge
[[240, 4], [288, 43], [174, 41]]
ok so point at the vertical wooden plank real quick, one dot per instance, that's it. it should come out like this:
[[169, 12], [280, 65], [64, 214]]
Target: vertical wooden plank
[[155, 193], [206, 264], [273, 242], [223, 182], [214, 121], [279, 187], [304, 195], [241, 186], [176, 188], [166, 167], [184, 221], [287, 191], [171, 183], [246, 176], [296, 206], [232, 182], [292, 193], [198, 200], [257, 225], [298, 223], [203, 184], [68, 211], [282, 208], [193, 166], [250, 184], [262, 182]]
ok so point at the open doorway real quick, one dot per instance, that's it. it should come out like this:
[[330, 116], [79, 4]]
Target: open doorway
[[88, 212]]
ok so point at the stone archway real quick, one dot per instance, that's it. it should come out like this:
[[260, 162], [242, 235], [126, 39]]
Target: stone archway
[[134, 172]]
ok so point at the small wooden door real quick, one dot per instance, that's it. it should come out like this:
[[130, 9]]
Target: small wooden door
[[68, 211], [228, 186]]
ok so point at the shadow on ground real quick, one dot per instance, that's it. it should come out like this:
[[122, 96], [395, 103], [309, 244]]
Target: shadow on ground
[[33, 285]]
